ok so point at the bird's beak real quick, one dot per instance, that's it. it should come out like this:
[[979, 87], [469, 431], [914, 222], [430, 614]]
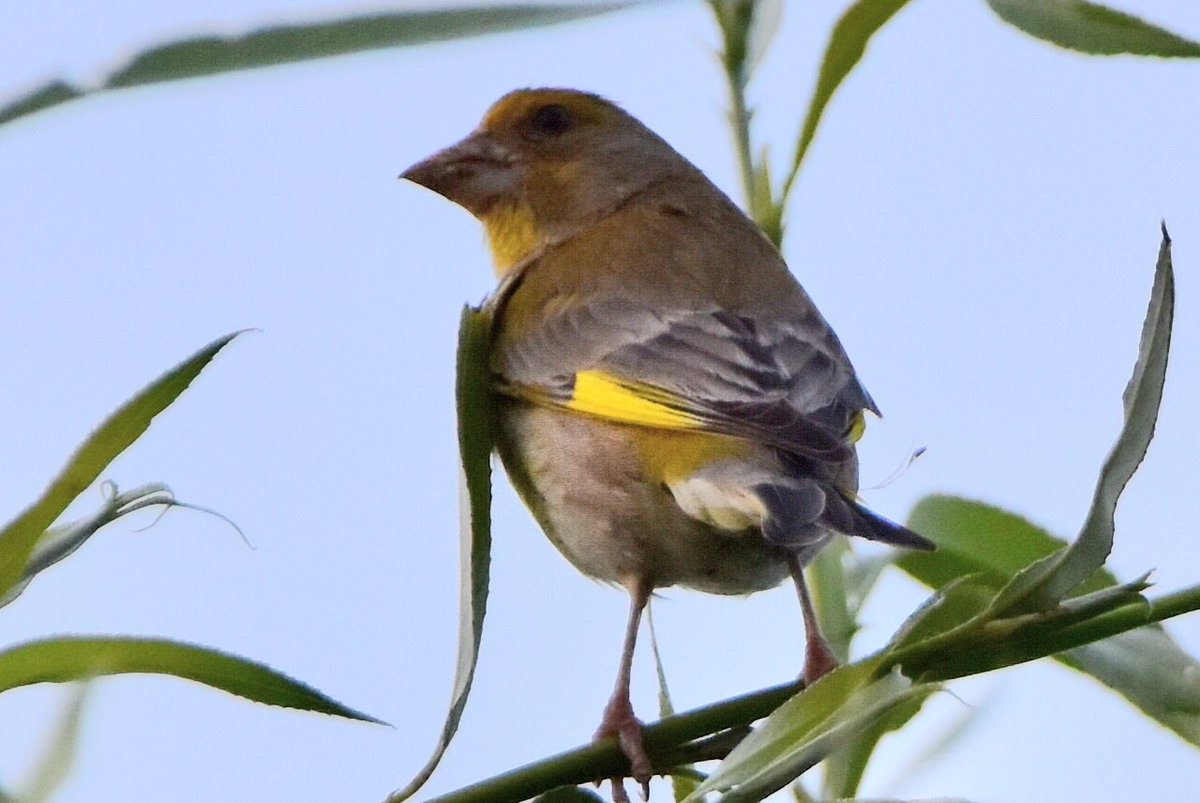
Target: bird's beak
[[475, 173]]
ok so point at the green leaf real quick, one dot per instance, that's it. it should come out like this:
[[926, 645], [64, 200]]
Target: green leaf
[[862, 573], [762, 199], [846, 47], [1045, 585], [828, 582], [975, 538], [764, 28], [58, 660], [1149, 669], [281, 44], [683, 780], [800, 794], [1091, 28], [476, 439], [60, 754], [985, 642], [665, 707], [992, 547], [955, 604], [1040, 570], [20, 536], [750, 26], [810, 726], [1144, 665], [843, 770], [62, 540], [42, 97], [948, 736], [1009, 643]]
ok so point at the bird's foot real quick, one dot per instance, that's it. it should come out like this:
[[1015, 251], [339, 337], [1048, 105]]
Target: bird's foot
[[620, 722], [819, 659]]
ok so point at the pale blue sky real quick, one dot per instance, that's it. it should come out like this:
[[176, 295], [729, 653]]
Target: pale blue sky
[[978, 219]]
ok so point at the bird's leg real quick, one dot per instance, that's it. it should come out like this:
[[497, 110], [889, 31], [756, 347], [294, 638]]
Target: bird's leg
[[819, 659], [618, 718]]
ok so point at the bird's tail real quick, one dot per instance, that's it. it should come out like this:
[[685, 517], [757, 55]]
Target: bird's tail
[[801, 515], [874, 527]]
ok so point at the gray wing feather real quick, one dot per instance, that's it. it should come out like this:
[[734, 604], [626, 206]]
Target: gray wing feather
[[782, 377]]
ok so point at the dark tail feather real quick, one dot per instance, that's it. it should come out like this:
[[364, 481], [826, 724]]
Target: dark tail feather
[[866, 524], [802, 515]]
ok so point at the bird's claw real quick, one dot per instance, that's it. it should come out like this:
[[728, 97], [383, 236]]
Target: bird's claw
[[620, 722]]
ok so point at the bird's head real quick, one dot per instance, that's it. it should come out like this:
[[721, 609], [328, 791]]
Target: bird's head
[[543, 164]]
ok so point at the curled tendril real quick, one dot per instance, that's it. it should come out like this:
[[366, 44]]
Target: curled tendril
[[159, 495], [899, 471]]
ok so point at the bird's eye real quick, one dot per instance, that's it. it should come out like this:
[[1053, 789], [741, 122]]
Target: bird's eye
[[551, 120]]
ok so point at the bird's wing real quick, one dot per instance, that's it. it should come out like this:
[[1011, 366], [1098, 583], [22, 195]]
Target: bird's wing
[[780, 378]]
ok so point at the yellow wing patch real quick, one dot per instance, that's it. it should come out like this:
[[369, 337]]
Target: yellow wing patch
[[673, 443], [603, 395]]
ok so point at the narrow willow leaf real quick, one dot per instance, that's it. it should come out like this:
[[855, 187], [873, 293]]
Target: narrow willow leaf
[[799, 716], [975, 538], [281, 44], [665, 707], [828, 584], [764, 27], [762, 198], [843, 770], [37, 99], [476, 438], [1038, 572], [846, 46], [683, 780], [1141, 400], [59, 542], [986, 644], [1091, 28], [809, 727], [749, 27], [983, 642], [55, 764], [1145, 665], [1008, 642], [58, 660], [954, 605], [19, 537], [1046, 586], [1086, 606], [800, 794], [862, 573], [948, 737], [1149, 669]]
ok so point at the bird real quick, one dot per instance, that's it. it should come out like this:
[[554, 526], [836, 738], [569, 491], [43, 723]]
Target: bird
[[672, 407]]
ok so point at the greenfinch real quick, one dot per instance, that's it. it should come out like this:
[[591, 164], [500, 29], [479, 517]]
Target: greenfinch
[[673, 408]]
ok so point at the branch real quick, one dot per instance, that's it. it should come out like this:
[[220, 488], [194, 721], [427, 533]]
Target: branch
[[664, 742]]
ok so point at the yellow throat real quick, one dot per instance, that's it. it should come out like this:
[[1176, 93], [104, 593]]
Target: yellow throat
[[512, 235]]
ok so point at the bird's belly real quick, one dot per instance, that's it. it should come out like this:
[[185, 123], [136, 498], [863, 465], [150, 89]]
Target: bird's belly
[[585, 483]]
